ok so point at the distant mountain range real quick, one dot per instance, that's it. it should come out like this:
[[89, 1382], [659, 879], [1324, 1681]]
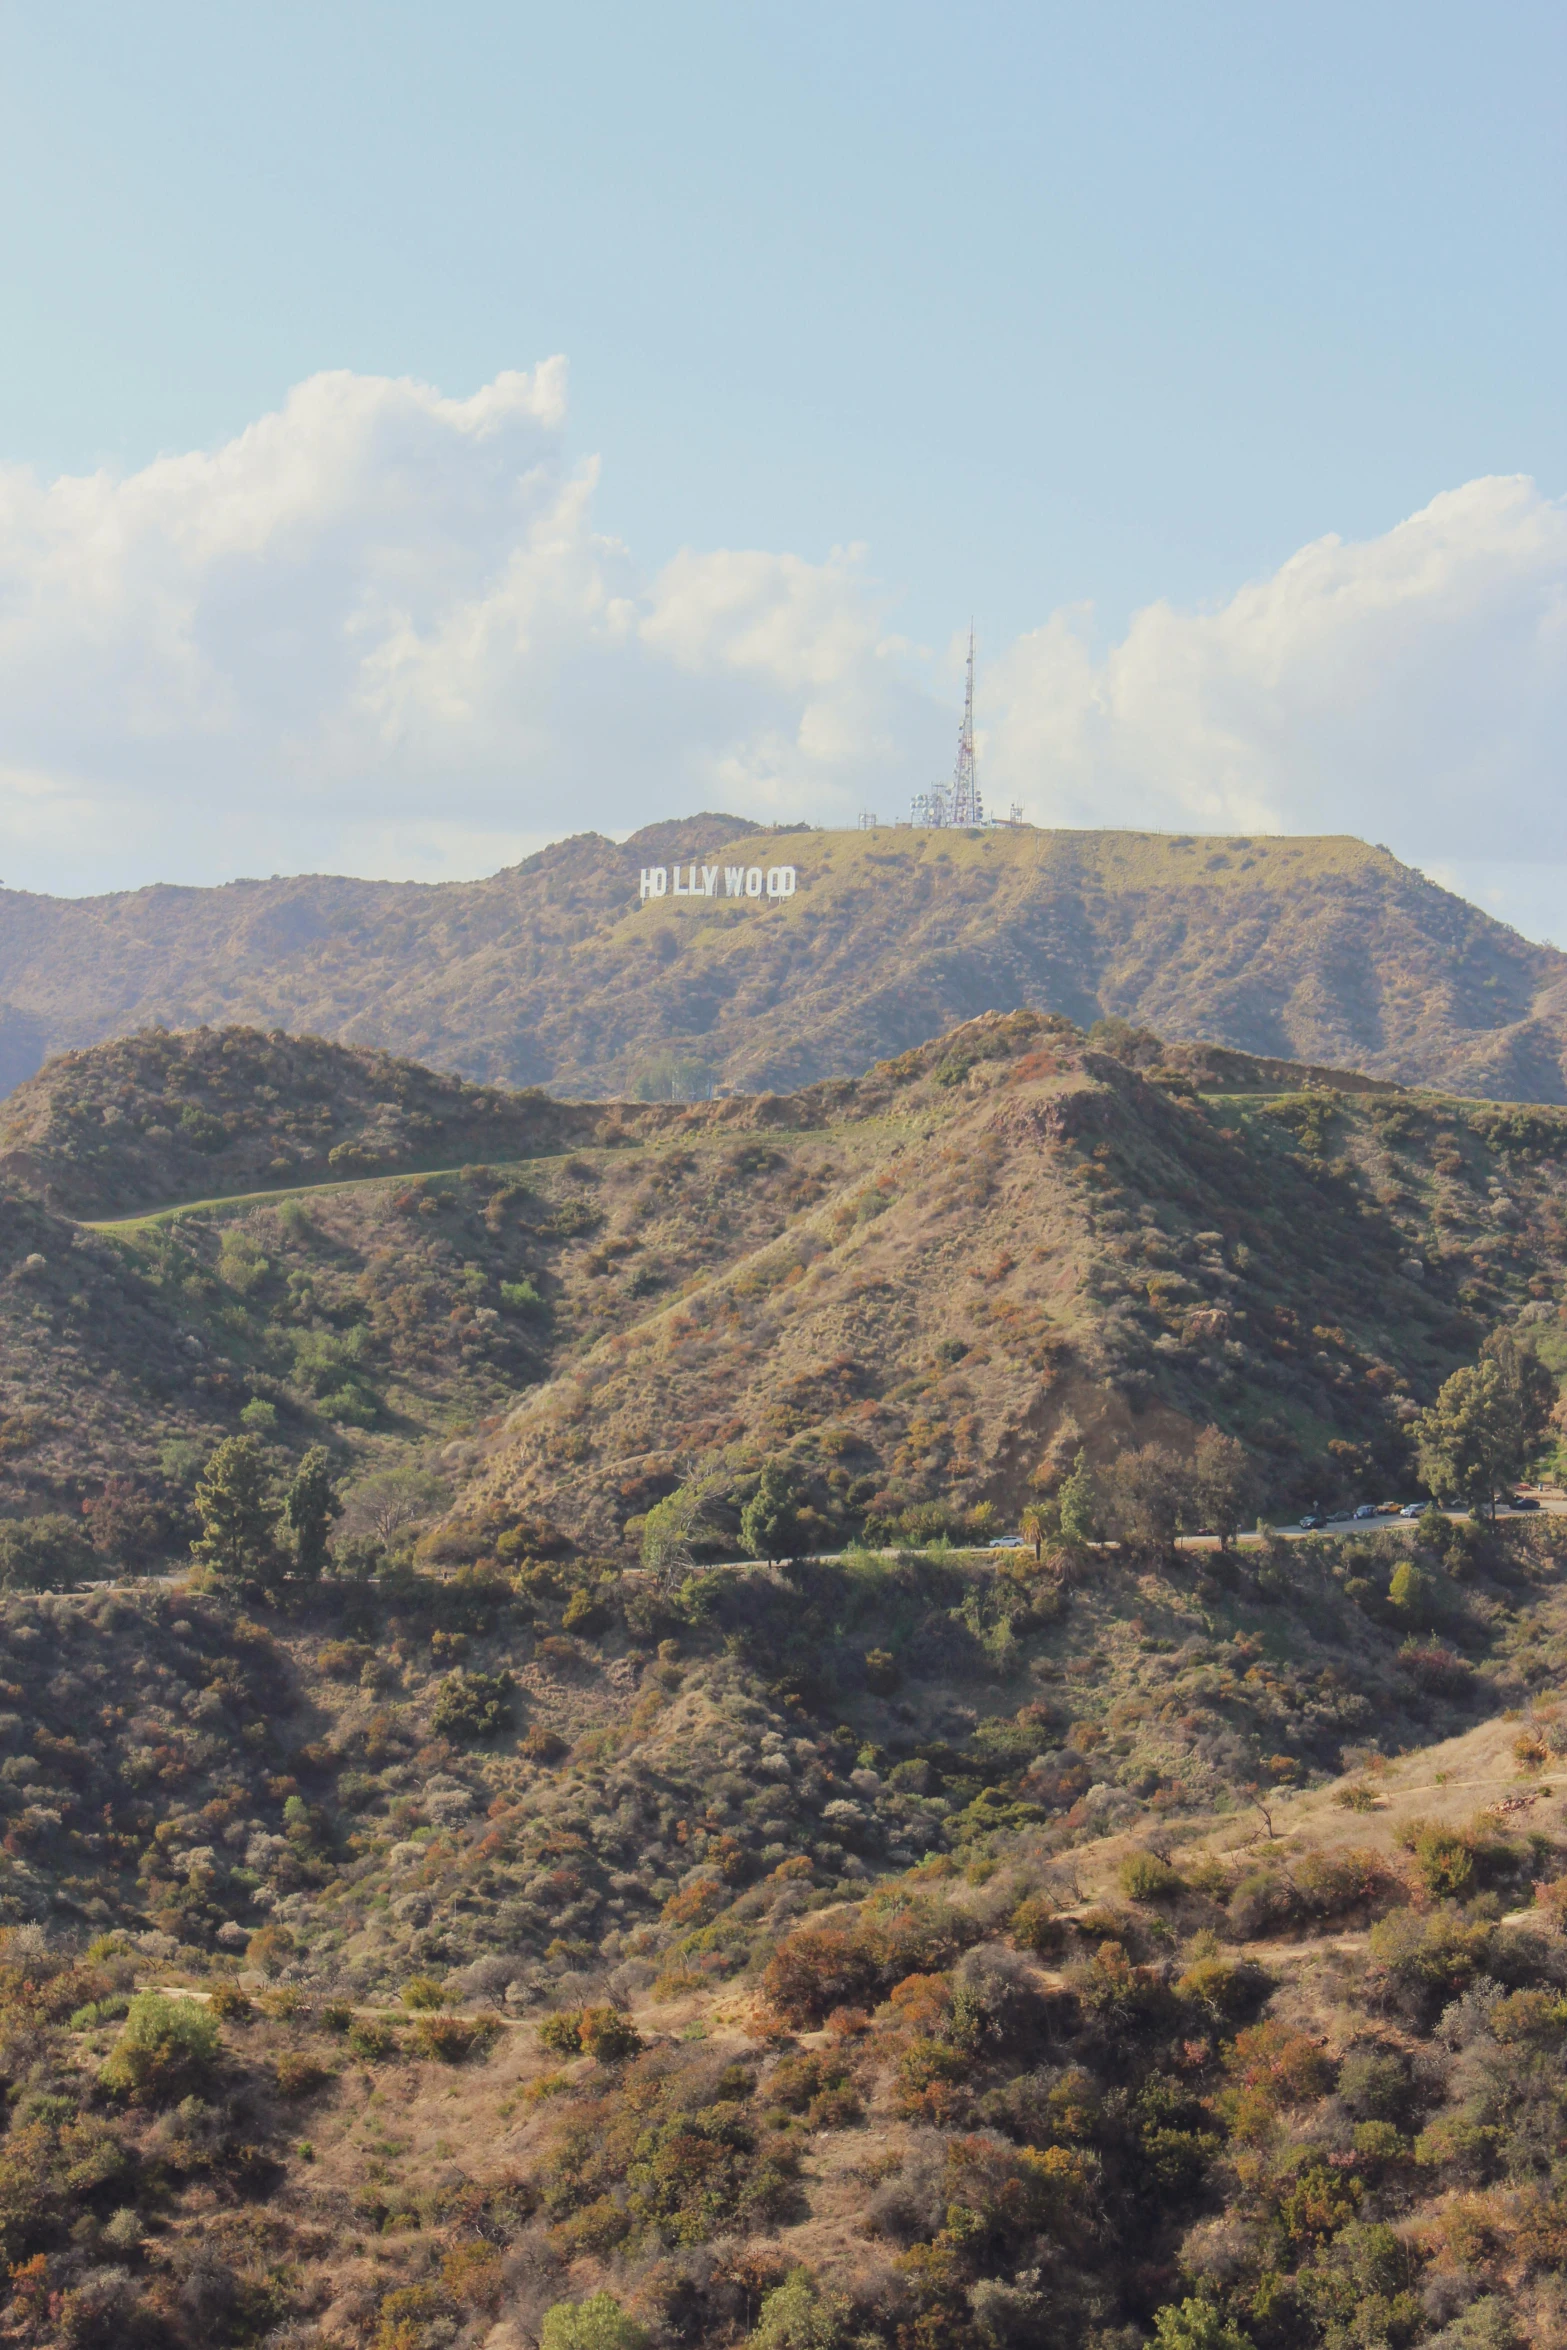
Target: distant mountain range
[[557, 973]]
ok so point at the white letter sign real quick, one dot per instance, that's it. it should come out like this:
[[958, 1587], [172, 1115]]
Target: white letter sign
[[701, 881]]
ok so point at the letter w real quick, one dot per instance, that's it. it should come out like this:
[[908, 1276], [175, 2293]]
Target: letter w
[[734, 881]]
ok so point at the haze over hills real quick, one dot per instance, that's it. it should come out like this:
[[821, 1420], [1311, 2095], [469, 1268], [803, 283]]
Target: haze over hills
[[553, 973]]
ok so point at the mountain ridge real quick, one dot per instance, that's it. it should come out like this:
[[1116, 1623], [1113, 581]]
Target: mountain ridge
[[554, 972]]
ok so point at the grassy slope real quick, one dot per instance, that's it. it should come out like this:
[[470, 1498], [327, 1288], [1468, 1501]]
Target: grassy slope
[[1321, 950]]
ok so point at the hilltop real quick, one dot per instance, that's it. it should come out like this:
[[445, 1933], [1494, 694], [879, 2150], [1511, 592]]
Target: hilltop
[[554, 973], [153, 1119]]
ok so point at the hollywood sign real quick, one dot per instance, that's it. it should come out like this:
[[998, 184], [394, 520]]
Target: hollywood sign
[[701, 881]]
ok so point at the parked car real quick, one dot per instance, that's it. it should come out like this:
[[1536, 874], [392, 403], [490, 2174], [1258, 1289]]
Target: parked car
[[1310, 1523], [1414, 1509], [1007, 1542], [1367, 1509], [1522, 1501]]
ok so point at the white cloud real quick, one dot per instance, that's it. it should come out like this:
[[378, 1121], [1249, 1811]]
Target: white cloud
[[378, 631], [381, 631], [1411, 688]]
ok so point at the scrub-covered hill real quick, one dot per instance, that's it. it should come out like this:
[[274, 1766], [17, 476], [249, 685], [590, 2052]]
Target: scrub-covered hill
[[557, 973], [914, 1954], [446, 1924], [1010, 1243], [155, 1118], [916, 1287]]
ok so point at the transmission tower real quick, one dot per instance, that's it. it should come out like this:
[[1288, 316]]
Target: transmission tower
[[967, 806], [958, 802]]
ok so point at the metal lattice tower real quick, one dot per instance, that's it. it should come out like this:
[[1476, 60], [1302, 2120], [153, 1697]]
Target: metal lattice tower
[[966, 805], [957, 802]]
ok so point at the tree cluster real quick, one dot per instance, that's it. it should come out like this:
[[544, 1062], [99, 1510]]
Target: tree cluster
[[1486, 1424], [251, 1533]]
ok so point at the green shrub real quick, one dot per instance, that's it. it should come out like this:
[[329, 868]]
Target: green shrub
[[1145, 1877], [1196, 2325], [473, 1706], [562, 2032], [351, 1406], [298, 2074], [769, 1522], [100, 2011], [45, 1553], [166, 2051], [422, 1992], [599, 2323], [201, 1129], [1445, 1858], [520, 1297], [797, 2315], [585, 1612], [1426, 1960], [1036, 1927], [607, 2035], [371, 2040], [1262, 1903], [451, 2039]]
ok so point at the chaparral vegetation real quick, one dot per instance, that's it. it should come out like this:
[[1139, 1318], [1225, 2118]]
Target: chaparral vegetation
[[702, 1726]]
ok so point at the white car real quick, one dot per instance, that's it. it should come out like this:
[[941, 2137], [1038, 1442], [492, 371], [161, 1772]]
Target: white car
[[1007, 1542]]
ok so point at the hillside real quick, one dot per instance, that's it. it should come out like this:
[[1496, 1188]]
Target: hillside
[[1017, 1243], [871, 2009], [156, 1118], [479, 1939], [552, 973], [914, 1288]]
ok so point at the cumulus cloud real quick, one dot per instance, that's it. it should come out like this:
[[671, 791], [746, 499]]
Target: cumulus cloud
[[383, 631], [1410, 688], [379, 631]]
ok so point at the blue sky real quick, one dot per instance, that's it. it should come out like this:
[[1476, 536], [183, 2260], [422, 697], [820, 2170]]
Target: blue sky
[[1044, 311]]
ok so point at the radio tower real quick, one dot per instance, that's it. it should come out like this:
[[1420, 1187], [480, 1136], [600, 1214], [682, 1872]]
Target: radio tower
[[957, 802], [967, 806]]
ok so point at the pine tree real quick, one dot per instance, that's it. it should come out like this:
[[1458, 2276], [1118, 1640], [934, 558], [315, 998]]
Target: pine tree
[[1473, 1440], [670, 1532], [310, 1505], [237, 1516], [769, 1523]]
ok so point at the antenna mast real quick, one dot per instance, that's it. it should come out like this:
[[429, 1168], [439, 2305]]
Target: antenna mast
[[967, 806]]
